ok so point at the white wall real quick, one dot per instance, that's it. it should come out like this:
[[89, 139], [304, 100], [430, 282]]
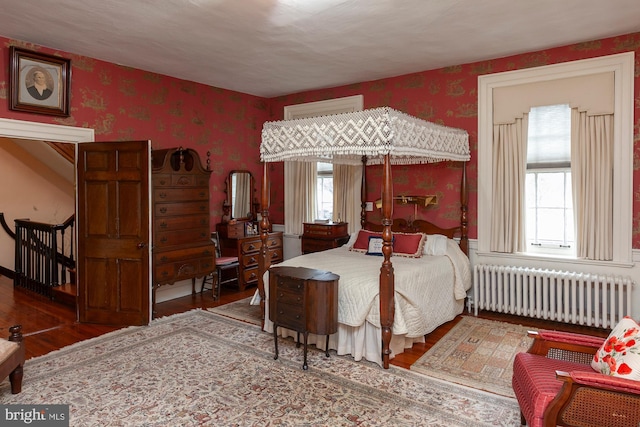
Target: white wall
[[49, 198]]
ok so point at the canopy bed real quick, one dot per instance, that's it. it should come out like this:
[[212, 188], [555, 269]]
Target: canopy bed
[[375, 136]]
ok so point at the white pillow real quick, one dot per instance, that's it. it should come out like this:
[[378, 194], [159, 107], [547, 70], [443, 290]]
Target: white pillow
[[619, 355], [436, 244], [375, 246], [352, 239]]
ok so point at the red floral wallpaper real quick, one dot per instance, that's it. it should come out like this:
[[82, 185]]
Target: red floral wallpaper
[[122, 103], [449, 96]]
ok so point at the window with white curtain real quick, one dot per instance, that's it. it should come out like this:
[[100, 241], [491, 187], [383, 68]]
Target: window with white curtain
[[324, 191], [502, 94], [548, 202], [312, 186]]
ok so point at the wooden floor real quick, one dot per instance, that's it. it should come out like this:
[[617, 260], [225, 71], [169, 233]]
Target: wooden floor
[[48, 325]]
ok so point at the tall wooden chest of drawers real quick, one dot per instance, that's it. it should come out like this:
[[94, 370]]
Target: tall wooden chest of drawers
[[182, 246], [304, 300], [320, 237]]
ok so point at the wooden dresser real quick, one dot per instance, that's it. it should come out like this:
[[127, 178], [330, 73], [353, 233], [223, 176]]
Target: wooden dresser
[[233, 242], [304, 300], [182, 246], [320, 237]]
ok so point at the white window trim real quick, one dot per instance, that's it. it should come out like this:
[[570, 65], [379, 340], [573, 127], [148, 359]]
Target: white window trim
[[348, 104], [623, 67]]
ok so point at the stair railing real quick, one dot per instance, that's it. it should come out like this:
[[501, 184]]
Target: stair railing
[[41, 254]]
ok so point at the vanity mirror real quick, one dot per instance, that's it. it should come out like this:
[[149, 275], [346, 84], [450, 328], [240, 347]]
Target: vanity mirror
[[239, 204]]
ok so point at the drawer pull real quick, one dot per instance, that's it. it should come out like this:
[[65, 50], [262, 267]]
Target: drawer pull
[[203, 208], [163, 195], [203, 234], [186, 269], [163, 210], [163, 182], [207, 252], [163, 224], [163, 259], [274, 255], [251, 247], [163, 240], [202, 194], [252, 276], [252, 260]]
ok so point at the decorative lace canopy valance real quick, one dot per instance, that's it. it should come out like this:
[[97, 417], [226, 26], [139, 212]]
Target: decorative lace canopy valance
[[345, 138]]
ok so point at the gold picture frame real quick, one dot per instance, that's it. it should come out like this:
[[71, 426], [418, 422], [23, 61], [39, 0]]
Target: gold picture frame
[[39, 83]]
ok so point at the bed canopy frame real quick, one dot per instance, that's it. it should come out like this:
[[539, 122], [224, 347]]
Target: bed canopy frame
[[374, 136]]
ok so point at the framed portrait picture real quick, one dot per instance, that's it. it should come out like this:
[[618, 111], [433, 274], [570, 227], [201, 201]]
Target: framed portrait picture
[[38, 83]]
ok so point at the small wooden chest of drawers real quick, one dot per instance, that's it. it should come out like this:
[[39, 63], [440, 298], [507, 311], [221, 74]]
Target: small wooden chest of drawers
[[320, 237], [304, 300], [247, 249]]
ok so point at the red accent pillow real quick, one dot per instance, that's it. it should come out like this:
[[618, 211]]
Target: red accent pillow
[[408, 244], [404, 244], [362, 242]]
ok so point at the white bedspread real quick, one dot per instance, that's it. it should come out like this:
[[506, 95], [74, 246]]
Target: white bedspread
[[429, 291]]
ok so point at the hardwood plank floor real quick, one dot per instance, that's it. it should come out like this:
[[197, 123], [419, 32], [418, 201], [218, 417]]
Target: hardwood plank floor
[[49, 325]]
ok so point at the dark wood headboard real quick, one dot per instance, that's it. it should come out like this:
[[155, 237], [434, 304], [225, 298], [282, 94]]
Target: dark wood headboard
[[401, 225]]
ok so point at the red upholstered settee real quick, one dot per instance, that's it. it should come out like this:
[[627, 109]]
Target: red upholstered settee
[[556, 385]]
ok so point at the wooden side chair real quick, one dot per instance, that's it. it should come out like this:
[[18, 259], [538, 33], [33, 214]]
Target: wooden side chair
[[12, 358], [555, 384], [223, 265]]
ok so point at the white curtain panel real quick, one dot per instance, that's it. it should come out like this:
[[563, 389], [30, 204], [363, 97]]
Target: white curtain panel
[[299, 195], [592, 180], [509, 172], [347, 185]]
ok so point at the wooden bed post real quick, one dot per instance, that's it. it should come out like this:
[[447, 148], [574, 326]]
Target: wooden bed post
[[264, 262], [363, 194], [387, 284], [464, 233]]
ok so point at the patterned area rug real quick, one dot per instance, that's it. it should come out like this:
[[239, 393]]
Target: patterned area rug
[[200, 368], [476, 353], [240, 310]]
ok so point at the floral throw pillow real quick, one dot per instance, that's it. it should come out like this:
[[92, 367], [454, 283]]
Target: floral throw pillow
[[619, 355]]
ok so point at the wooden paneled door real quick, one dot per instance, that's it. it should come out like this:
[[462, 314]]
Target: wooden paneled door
[[113, 232]]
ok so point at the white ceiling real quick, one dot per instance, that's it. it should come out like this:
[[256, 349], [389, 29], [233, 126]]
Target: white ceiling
[[276, 47]]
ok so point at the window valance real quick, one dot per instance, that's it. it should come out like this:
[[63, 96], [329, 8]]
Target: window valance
[[511, 102], [344, 138]]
